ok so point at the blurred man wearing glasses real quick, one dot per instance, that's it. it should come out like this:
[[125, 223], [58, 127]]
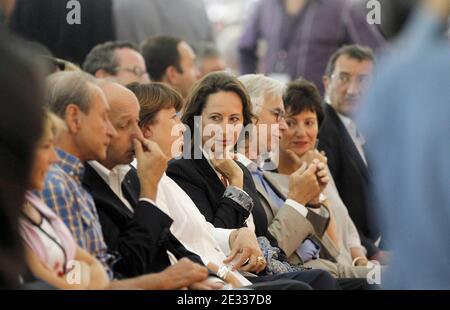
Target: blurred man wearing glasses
[[347, 74], [119, 61]]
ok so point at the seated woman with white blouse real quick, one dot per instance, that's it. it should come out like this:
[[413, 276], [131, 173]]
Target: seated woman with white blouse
[[159, 122]]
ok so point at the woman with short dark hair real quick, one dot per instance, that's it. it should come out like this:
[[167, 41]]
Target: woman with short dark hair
[[304, 115]]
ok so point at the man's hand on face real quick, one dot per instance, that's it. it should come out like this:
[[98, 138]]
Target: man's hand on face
[[151, 165]]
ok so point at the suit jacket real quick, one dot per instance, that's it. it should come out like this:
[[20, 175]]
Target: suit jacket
[[288, 226], [199, 180], [314, 225], [141, 238], [350, 174]]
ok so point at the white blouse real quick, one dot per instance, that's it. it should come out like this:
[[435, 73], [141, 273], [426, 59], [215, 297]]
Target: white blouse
[[191, 227], [56, 255]]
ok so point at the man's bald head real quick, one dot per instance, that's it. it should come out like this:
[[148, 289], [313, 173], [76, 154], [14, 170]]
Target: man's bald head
[[118, 96], [124, 115]]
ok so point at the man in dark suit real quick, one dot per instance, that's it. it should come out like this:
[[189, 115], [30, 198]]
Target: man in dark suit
[[347, 74], [131, 224]]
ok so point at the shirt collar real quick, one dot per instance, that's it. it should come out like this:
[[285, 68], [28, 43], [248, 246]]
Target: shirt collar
[[347, 121], [120, 171], [259, 163], [350, 125], [248, 163], [70, 164], [244, 160]]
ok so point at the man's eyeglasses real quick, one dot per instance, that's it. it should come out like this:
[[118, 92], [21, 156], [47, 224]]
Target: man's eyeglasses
[[345, 79], [278, 113], [135, 70]]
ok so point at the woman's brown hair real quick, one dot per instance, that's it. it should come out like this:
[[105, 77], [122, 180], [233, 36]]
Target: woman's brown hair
[[154, 97], [302, 95], [211, 84]]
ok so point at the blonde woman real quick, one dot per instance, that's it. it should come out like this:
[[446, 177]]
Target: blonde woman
[[51, 252]]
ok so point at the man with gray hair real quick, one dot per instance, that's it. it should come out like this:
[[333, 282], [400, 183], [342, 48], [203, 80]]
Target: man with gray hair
[[288, 221], [77, 99], [119, 61]]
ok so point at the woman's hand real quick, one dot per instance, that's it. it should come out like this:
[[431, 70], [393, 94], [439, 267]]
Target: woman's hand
[[206, 285], [229, 169], [99, 277], [322, 174], [229, 278], [322, 178], [382, 257], [85, 274], [307, 157], [245, 248]]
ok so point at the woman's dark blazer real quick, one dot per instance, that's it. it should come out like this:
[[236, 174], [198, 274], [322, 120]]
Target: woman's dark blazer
[[199, 180]]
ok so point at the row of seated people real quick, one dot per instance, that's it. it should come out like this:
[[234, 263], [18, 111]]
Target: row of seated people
[[135, 221], [245, 182], [172, 61]]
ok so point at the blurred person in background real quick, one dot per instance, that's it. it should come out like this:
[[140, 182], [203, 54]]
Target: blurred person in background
[[48, 62], [171, 60], [119, 61], [394, 15], [47, 22], [136, 20], [21, 99], [300, 36], [405, 121], [209, 58], [6, 7]]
